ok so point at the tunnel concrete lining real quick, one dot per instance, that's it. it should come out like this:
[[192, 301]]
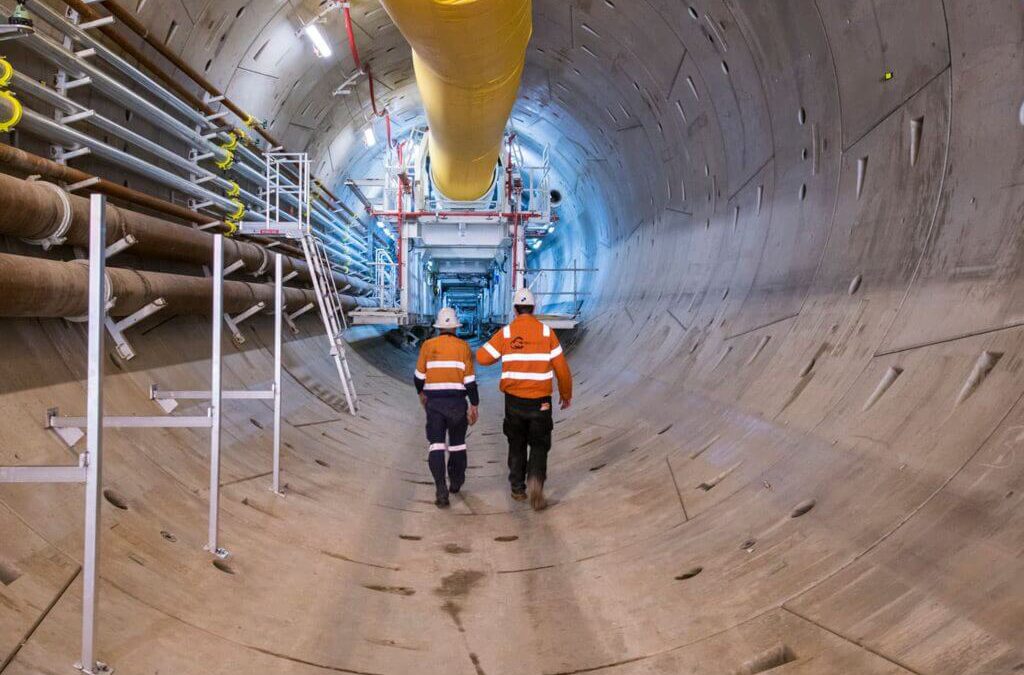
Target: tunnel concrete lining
[[796, 444]]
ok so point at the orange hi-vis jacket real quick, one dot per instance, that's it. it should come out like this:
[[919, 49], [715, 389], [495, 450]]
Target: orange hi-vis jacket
[[531, 358], [445, 368]]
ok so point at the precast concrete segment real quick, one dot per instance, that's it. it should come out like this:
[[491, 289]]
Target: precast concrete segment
[[796, 444]]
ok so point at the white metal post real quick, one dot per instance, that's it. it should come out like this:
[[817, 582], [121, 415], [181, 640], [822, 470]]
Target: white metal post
[[520, 255], [278, 312], [215, 394], [94, 417]]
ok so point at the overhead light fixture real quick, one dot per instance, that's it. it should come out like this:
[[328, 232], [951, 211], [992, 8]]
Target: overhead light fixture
[[551, 228], [320, 46], [369, 138]]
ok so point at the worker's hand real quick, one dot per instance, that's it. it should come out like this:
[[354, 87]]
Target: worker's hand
[[423, 399], [474, 414], [565, 403]]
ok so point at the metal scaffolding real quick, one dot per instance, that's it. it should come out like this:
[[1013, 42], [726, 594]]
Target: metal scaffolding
[[88, 471]]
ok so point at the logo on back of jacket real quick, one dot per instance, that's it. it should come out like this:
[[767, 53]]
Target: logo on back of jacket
[[518, 342]]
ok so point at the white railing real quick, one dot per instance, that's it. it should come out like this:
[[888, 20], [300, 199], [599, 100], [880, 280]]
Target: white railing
[[386, 276]]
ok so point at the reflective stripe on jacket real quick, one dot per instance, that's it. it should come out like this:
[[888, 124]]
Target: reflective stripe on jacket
[[445, 368], [531, 358]]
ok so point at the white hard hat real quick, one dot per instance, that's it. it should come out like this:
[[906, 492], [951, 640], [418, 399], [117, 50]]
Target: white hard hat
[[447, 318], [524, 296]]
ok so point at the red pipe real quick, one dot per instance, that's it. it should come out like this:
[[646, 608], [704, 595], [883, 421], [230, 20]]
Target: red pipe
[[401, 233], [352, 37], [515, 252], [354, 49], [458, 214]]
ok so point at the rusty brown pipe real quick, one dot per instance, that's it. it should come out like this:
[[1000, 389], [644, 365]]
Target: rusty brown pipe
[[37, 287], [36, 211], [33, 165]]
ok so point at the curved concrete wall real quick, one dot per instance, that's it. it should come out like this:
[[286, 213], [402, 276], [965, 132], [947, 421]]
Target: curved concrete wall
[[797, 442]]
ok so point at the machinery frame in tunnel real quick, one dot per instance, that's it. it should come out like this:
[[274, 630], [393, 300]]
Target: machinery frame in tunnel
[[798, 421]]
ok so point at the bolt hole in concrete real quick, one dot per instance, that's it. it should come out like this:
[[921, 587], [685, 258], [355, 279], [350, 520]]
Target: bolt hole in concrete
[[801, 116], [770, 660], [802, 508], [598, 467], [410, 537], [693, 13], [255, 423], [223, 567], [321, 462], [116, 499], [506, 538], [8, 573], [169, 536], [748, 545], [690, 573]]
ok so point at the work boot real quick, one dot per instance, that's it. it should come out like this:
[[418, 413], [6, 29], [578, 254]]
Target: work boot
[[437, 470], [535, 489], [456, 471], [519, 496]]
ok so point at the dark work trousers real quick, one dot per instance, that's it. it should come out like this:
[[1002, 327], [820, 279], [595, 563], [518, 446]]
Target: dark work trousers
[[528, 425], [447, 423]]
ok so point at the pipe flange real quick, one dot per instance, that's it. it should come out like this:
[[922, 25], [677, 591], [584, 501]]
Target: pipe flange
[[108, 292], [59, 235], [264, 265]]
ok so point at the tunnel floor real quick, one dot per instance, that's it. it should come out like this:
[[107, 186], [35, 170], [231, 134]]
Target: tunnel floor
[[661, 553]]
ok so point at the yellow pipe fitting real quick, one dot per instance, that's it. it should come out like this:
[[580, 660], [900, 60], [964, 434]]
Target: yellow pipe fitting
[[6, 72], [16, 111], [232, 143], [468, 56], [234, 190], [239, 211], [227, 162]]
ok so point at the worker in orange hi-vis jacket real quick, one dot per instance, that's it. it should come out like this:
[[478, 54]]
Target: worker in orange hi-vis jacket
[[445, 379], [531, 358]]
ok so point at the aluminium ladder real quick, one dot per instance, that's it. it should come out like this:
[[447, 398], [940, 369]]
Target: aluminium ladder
[[331, 312]]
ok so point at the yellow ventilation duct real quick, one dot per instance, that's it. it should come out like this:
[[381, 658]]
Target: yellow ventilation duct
[[468, 56]]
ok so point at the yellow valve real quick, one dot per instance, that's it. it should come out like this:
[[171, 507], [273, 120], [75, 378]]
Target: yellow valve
[[6, 72], [232, 228], [250, 121], [16, 111], [242, 133], [468, 56], [234, 190], [227, 162]]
